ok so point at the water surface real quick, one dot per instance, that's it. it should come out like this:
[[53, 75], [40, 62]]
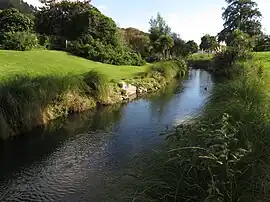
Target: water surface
[[76, 159]]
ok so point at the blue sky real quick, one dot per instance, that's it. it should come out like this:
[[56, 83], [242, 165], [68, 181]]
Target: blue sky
[[190, 18]]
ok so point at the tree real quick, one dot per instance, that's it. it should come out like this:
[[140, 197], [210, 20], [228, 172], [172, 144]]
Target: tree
[[73, 20], [208, 43], [18, 4], [242, 15], [158, 27], [139, 41], [11, 20], [165, 43], [178, 48], [191, 47], [262, 43]]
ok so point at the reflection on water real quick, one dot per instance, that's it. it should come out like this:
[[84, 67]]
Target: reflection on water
[[75, 159]]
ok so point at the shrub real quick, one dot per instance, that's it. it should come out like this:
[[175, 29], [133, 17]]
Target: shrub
[[98, 51], [20, 41], [11, 20]]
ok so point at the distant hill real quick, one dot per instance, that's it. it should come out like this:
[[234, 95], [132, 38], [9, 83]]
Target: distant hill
[[18, 4]]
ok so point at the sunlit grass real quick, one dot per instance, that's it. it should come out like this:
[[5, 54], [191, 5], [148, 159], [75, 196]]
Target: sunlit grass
[[57, 63]]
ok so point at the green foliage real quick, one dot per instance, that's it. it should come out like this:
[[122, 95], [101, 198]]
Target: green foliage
[[239, 49], [158, 28], [11, 20], [98, 83], [168, 69], [97, 51], [20, 41], [192, 47], [243, 15], [80, 19], [219, 156], [208, 43], [179, 46], [92, 35], [165, 42], [24, 99], [137, 40], [22, 6], [262, 43]]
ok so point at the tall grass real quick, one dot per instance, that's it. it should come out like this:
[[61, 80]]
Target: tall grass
[[27, 101], [222, 155], [98, 84]]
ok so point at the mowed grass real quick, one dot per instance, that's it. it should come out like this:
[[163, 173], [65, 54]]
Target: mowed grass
[[263, 58], [57, 63]]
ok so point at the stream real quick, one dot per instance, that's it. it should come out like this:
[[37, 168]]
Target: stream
[[76, 158]]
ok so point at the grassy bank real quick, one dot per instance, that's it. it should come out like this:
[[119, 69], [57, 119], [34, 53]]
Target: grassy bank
[[222, 155], [39, 86], [204, 60]]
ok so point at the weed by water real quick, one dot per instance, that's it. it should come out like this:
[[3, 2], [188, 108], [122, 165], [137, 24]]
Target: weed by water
[[221, 155], [98, 84], [25, 99]]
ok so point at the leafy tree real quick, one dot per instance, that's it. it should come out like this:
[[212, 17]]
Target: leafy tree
[[18, 4], [262, 43], [242, 15], [192, 47], [239, 48], [72, 20], [178, 49], [11, 20], [137, 40], [208, 43], [158, 27], [165, 43], [240, 43]]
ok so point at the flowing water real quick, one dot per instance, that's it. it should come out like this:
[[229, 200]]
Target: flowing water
[[76, 159]]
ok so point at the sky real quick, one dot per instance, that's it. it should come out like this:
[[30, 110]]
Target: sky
[[190, 18]]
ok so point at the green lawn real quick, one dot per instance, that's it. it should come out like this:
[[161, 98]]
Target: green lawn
[[43, 62], [200, 56], [263, 57]]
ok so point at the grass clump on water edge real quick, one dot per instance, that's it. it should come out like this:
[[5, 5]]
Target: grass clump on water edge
[[222, 155], [98, 83], [27, 101], [160, 74]]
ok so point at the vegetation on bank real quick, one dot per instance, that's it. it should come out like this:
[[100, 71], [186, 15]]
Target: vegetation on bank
[[223, 154], [29, 100]]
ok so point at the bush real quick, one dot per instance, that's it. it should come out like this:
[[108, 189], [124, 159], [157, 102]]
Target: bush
[[20, 41], [98, 51], [11, 20]]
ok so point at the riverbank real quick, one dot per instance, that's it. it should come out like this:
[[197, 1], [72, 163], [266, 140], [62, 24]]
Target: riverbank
[[86, 156], [222, 155], [32, 95]]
